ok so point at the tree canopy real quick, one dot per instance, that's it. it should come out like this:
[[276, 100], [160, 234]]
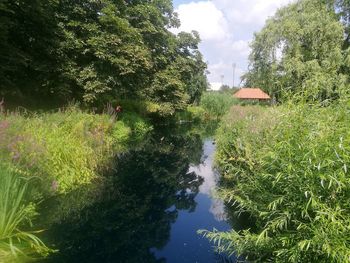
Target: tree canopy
[[301, 50], [96, 51]]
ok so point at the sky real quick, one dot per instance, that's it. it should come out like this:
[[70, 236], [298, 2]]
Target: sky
[[226, 28]]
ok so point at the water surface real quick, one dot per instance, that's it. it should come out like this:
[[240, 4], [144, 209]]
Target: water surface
[[185, 245], [148, 210]]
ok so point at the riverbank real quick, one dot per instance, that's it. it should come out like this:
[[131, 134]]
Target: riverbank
[[50, 154], [66, 153], [212, 107], [147, 210], [287, 167]]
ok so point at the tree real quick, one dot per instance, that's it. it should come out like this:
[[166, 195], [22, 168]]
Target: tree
[[299, 51], [30, 39], [106, 54], [184, 80], [98, 51]]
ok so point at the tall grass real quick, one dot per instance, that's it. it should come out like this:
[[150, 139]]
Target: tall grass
[[66, 149], [212, 107], [216, 104], [288, 167], [15, 214]]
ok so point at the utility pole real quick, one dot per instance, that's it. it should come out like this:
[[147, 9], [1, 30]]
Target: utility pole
[[233, 74]]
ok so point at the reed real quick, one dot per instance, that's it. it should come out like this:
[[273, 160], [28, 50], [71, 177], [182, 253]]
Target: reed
[[17, 245], [288, 167], [216, 104]]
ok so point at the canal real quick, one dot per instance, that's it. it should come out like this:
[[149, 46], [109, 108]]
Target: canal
[[148, 209]]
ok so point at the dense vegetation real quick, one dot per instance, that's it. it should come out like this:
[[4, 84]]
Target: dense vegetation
[[125, 216], [212, 106], [67, 148], [99, 54], [216, 104], [287, 167], [44, 155], [96, 52], [301, 50]]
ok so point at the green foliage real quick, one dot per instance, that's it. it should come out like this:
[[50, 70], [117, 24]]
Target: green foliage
[[138, 126], [191, 114], [97, 51], [196, 113], [130, 208], [299, 52], [212, 107], [226, 88], [29, 49], [68, 148], [288, 168], [216, 104], [342, 9], [15, 214], [121, 132]]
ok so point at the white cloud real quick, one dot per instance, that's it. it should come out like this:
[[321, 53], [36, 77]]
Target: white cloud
[[217, 70], [241, 47], [250, 11], [205, 18], [222, 72], [226, 27], [215, 85]]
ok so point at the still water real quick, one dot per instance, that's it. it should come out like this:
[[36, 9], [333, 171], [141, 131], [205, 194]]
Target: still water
[[148, 209], [185, 245]]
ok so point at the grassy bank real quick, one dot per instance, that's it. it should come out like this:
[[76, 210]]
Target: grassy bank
[[54, 153], [212, 107], [288, 168]]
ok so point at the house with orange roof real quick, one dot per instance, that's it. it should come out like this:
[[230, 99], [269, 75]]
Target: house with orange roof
[[252, 94]]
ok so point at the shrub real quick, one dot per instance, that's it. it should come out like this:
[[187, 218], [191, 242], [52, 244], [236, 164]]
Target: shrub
[[217, 104], [146, 108], [289, 168], [121, 133], [191, 114], [139, 127]]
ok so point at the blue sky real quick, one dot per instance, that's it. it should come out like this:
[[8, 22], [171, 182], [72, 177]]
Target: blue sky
[[178, 2], [226, 28]]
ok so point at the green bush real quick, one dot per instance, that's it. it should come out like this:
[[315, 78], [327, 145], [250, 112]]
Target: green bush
[[146, 108], [121, 133], [216, 104], [191, 114], [289, 168], [139, 127]]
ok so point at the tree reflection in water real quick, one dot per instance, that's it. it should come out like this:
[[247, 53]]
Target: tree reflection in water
[[133, 209]]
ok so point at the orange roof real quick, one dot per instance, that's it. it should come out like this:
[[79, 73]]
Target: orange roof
[[250, 93]]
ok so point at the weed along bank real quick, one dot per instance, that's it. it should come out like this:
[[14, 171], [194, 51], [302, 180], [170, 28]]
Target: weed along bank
[[112, 148]]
